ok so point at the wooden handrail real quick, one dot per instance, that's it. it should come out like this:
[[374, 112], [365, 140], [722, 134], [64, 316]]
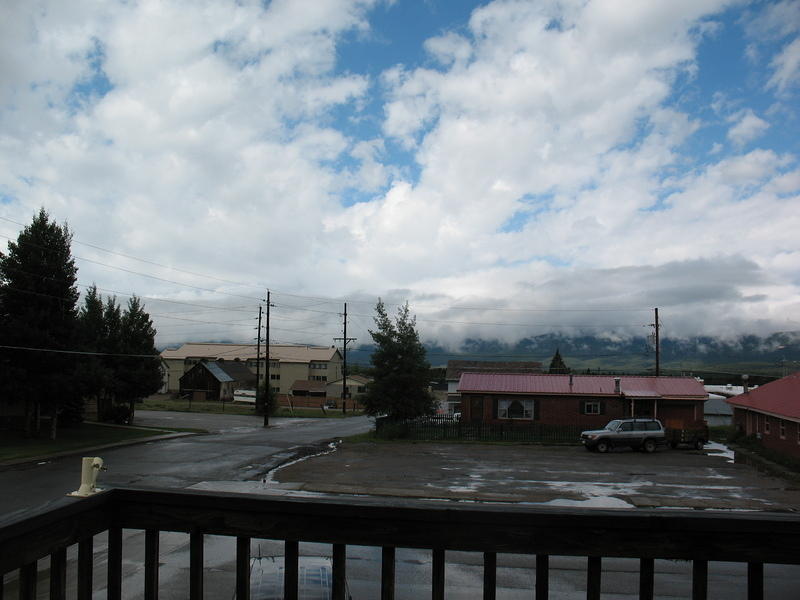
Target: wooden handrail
[[752, 538]]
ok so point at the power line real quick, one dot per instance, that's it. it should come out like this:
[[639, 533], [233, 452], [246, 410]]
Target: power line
[[79, 352]]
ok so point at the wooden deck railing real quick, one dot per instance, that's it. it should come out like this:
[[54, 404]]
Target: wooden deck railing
[[752, 538]]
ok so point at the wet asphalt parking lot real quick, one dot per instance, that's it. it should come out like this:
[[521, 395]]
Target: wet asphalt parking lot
[[549, 475]]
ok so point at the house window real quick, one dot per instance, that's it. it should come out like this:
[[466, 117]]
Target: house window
[[318, 365], [782, 429], [275, 376], [361, 389], [274, 364], [591, 408], [319, 378], [514, 409], [766, 425], [276, 389]]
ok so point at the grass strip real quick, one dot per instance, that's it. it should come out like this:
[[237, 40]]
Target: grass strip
[[14, 445]]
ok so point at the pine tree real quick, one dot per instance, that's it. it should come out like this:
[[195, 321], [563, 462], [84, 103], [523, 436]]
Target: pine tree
[[400, 368], [38, 299], [557, 365], [137, 376]]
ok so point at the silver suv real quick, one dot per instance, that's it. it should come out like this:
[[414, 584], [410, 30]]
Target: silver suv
[[640, 434]]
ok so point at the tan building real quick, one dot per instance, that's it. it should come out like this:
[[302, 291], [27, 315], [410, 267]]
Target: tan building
[[288, 363], [356, 385]]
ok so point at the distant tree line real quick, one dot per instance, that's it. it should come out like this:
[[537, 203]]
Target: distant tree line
[[54, 356]]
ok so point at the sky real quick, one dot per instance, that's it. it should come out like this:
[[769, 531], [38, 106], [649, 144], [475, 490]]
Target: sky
[[507, 168]]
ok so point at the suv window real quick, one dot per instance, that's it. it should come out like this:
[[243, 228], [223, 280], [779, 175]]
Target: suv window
[[640, 426], [653, 426], [626, 427]]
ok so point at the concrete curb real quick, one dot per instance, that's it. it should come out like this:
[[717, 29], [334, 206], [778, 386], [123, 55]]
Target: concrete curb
[[87, 449]]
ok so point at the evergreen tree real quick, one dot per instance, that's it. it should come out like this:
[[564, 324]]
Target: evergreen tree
[[137, 376], [400, 368], [38, 300], [557, 365]]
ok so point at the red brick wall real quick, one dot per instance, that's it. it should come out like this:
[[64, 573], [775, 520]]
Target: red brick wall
[[788, 444], [560, 410], [548, 410]]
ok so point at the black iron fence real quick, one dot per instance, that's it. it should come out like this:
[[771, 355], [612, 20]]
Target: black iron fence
[[540, 532], [447, 428]]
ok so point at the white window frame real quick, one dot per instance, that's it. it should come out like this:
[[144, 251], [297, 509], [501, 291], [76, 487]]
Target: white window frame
[[527, 408], [782, 428], [592, 403]]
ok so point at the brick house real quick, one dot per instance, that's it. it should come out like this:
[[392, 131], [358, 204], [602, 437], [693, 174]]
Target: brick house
[[772, 413], [588, 401]]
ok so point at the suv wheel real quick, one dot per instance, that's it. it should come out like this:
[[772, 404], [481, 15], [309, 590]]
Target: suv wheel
[[649, 446], [602, 446], [699, 444]]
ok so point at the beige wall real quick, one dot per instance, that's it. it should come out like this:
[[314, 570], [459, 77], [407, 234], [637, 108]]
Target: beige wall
[[289, 372]]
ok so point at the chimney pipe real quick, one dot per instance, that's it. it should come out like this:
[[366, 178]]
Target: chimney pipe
[[570, 380], [617, 387], [744, 382]]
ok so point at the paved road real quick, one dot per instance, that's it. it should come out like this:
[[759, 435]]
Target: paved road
[[236, 448]]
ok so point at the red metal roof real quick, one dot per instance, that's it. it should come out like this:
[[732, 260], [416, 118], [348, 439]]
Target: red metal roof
[[779, 397], [632, 387]]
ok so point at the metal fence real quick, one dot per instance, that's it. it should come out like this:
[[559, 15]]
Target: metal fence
[[448, 428]]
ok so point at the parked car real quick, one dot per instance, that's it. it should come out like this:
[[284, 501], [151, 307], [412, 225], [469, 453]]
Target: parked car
[[640, 434]]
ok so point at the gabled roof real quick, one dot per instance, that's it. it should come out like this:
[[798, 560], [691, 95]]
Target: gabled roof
[[780, 397], [456, 367], [226, 371], [596, 385], [351, 379], [279, 352]]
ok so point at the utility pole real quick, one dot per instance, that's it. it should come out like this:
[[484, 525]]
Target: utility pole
[[267, 379], [656, 325], [258, 355], [344, 340]]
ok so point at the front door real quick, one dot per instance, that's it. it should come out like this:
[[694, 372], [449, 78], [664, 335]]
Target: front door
[[476, 409]]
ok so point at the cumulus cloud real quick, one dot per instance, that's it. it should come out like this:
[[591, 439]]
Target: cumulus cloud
[[537, 156], [747, 126], [786, 67]]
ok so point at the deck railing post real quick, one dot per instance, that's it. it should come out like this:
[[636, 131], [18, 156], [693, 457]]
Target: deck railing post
[[594, 578], [489, 575], [755, 581], [85, 566], [196, 565], [699, 579], [387, 572], [151, 542], [27, 581], [58, 574], [646, 578], [291, 569], [115, 563], [339, 591], [437, 592], [542, 576], [242, 568]]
